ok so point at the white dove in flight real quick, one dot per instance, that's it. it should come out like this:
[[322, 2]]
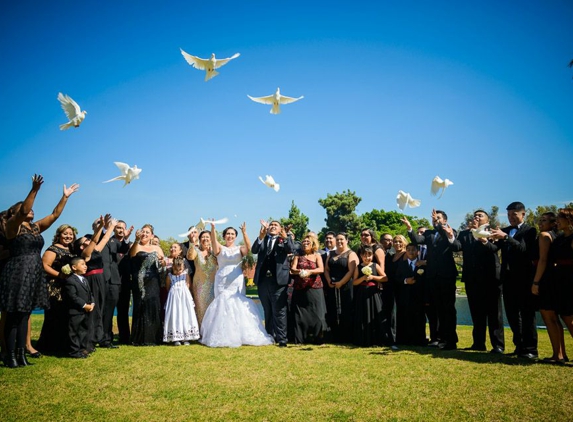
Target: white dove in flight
[[200, 226], [75, 115], [438, 184], [215, 222], [127, 173], [276, 100], [208, 65], [270, 182], [404, 199], [481, 231]]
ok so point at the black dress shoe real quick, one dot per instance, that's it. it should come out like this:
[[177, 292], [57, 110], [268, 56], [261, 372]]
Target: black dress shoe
[[109, 346], [78, 356], [34, 355], [497, 350], [433, 344], [282, 345], [529, 356]]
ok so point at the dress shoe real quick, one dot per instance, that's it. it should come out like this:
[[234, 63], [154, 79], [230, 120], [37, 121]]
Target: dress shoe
[[448, 346], [529, 356], [394, 348], [553, 361], [110, 346], [282, 345], [10, 360], [21, 357], [78, 356], [497, 350], [186, 343], [433, 344]]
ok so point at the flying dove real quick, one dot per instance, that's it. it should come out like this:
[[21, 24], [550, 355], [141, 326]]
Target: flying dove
[[276, 100], [481, 231], [208, 65], [438, 184], [270, 182], [73, 112], [215, 222], [127, 173], [404, 199]]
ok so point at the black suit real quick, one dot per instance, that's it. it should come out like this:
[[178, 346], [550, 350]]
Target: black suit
[[80, 325], [410, 315], [480, 273], [112, 254], [441, 275], [272, 276], [517, 273]]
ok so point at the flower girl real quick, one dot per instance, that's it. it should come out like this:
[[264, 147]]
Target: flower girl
[[180, 320]]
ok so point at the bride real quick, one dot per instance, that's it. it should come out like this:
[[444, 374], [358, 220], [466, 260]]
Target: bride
[[232, 319]]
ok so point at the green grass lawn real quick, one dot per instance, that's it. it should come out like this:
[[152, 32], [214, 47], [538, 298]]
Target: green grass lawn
[[298, 383]]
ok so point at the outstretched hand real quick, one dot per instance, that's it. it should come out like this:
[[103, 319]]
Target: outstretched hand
[[68, 191], [264, 229], [405, 221], [37, 181]]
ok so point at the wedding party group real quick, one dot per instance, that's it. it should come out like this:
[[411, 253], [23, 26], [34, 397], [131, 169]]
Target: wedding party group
[[393, 291]]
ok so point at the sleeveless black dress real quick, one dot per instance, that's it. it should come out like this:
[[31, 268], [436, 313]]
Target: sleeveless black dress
[[146, 327], [22, 282]]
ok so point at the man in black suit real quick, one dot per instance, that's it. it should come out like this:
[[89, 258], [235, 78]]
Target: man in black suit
[[272, 247], [517, 244], [112, 254], [80, 306], [429, 307], [409, 290], [480, 273], [441, 274]]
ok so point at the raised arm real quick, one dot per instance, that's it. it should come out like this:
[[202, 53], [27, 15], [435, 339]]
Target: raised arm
[[214, 242], [109, 224], [246, 248], [14, 222], [47, 221]]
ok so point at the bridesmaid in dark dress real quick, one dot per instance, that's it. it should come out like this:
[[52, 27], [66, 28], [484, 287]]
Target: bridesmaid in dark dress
[[22, 283], [338, 273], [54, 335], [147, 261], [367, 300], [307, 305]]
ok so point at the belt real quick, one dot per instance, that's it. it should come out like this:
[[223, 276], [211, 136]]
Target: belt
[[96, 271], [368, 283], [564, 262]]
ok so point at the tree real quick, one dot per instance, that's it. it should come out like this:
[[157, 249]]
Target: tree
[[493, 218], [390, 222], [531, 216], [298, 220], [341, 213]]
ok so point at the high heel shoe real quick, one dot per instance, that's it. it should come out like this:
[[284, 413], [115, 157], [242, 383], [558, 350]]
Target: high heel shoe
[[34, 355], [21, 357]]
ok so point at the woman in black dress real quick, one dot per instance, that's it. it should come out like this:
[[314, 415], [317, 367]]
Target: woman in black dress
[[147, 261], [54, 334], [338, 273], [22, 284]]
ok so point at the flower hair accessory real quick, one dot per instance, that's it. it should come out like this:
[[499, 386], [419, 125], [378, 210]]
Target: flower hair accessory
[[366, 271]]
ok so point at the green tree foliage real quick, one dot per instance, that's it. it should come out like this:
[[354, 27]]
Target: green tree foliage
[[298, 220], [390, 222], [493, 218], [341, 213], [531, 216]]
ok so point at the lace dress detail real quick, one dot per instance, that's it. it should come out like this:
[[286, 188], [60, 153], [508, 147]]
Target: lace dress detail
[[232, 319]]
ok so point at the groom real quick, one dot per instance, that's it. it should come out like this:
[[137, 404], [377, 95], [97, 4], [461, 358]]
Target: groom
[[272, 276]]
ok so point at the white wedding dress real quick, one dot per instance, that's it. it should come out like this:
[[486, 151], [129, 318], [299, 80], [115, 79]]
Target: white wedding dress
[[232, 319]]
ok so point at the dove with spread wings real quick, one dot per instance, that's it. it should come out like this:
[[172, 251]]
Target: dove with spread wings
[[275, 100], [128, 174], [404, 198], [438, 184], [73, 112], [208, 65], [270, 182]]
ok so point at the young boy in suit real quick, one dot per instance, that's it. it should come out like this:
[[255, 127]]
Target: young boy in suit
[[81, 304]]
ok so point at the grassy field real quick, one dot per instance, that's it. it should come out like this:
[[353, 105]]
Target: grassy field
[[297, 383]]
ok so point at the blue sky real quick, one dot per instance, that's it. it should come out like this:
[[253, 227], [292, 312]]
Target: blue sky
[[395, 94]]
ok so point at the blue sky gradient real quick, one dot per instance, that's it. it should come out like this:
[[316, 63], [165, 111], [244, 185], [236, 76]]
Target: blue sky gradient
[[395, 94]]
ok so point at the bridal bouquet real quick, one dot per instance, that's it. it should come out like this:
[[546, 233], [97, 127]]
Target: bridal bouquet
[[366, 271]]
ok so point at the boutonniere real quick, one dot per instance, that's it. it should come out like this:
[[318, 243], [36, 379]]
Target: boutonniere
[[281, 241], [420, 271]]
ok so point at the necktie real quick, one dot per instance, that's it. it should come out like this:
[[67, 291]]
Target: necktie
[[512, 231], [413, 266], [269, 244], [436, 237]]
